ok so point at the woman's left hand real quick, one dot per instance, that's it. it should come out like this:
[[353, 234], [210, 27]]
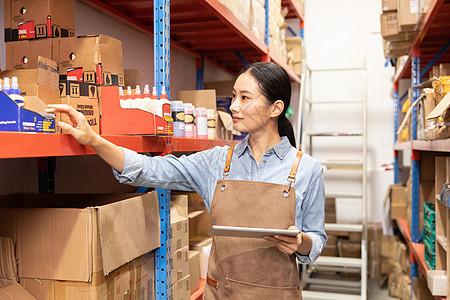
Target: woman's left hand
[[287, 244]]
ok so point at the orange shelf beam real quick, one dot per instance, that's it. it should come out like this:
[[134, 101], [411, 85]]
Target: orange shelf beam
[[198, 294]]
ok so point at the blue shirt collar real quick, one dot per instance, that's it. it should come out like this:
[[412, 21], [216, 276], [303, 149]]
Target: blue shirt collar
[[280, 149]]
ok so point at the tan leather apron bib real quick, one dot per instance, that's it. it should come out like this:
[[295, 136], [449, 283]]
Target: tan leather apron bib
[[247, 268]]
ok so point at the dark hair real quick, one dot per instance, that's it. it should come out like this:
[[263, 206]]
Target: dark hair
[[275, 85]]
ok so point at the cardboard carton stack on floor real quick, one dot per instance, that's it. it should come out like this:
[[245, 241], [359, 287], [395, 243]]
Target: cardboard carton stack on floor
[[179, 231], [395, 264], [399, 21], [84, 246]]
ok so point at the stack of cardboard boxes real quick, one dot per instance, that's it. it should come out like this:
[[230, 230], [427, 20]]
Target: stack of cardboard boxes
[[45, 29], [179, 231], [81, 246], [399, 21]]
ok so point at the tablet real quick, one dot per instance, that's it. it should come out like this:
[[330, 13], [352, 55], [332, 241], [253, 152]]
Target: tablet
[[247, 232]]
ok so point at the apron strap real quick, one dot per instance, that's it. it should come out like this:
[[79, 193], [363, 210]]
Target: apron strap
[[226, 171], [291, 177]]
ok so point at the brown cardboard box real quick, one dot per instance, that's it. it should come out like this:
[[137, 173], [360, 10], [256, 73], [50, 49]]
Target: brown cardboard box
[[398, 194], [420, 290], [24, 54], [15, 292], [88, 53], [374, 250], [408, 15], [30, 19], [349, 249], [355, 236], [389, 28], [199, 98], [181, 290], [295, 45], [387, 5], [387, 264], [398, 211], [404, 287], [331, 249], [8, 266], [374, 269], [180, 263], [76, 237], [389, 246], [133, 77], [179, 227], [198, 242], [223, 88], [330, 210], [199, 217], [194, 269], [374, 232], [134, 280], [444, 70], [88, 107], [41, 82], [257, 19]]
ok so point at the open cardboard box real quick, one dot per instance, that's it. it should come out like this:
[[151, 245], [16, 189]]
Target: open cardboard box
[[128, 121], [79, 238]]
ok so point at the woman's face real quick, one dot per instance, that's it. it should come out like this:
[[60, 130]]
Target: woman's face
[[251, 110]]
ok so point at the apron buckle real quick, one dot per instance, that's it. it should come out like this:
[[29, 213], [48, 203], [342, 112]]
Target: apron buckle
[[223, 186], [290, 181]]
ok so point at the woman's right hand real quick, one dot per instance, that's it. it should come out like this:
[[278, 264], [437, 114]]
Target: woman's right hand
[[81, 131]]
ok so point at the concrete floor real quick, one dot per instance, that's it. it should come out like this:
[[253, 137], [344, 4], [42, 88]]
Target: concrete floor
[[374, 292]]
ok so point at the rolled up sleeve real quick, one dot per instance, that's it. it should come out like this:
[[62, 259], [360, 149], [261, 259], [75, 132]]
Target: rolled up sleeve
[[313, 218], [191, 173]]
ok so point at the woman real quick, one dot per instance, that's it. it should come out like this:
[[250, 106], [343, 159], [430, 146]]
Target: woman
[[261, 182]]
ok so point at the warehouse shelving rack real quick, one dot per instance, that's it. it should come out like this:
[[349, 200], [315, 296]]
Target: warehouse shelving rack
[[202, 28], [429, 47]]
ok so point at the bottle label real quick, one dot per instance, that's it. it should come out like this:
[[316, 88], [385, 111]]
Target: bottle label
[[178, 116], [211, 123], [166, 113], [202, 127], [188, 119]]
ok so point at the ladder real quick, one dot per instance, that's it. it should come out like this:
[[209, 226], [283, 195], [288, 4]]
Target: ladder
[[336, 287]]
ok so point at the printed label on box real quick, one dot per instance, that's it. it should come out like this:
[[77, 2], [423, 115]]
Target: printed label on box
[[41, 30], [26, 30]]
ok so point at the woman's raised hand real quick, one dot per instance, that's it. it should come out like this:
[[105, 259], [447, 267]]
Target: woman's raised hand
[[81, 131]]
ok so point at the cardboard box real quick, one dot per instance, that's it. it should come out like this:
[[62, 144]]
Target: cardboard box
[[374, 232], [349, 249], [295, 46], [240, 9], [374, 250], [25, 54], [199, 98], [223, 88], [181, 290], [88, 107], [31, 117], [444, 69], [398, 211], [437, 282], [374, 269], [397, 194], [133, 77], [387, 5], [331, 249], [257, 19], [387, 264], [77, 237], [389, 28], [198, 242], [180, 263], [41, 82], [179, 222], [8, 266], [389, 246], [420, 290], [408, 15], [97, 58], [134, 280], [194, 269], [14, 292], [33, 19], [355, 237], [199, 217]]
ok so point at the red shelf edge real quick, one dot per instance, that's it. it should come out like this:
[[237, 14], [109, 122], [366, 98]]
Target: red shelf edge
[[294, 8], [198, 294]]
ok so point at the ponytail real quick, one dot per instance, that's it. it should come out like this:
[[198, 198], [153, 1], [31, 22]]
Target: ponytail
[[285, 129]]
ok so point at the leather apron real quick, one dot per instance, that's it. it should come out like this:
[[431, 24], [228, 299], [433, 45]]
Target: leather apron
[[249, 268]]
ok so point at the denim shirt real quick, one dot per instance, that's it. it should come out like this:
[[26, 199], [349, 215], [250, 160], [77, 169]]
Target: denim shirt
[[199, 173]]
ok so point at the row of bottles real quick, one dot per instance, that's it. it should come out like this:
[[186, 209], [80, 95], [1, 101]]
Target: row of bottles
[[12, 90], [188, 121]]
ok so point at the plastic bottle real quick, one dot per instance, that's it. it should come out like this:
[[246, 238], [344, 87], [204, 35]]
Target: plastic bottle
[[188, 120], [167, 114], [137, 97], [14, 86], [146, 92], [128, 103], [202, 123], [121, 97], [6, 85], [211, 124], [178, 118], [1, 88]]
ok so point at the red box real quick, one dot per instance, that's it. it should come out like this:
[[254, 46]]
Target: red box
[[128, 121]]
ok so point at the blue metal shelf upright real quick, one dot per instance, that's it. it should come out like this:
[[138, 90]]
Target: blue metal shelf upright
[[161, 57]]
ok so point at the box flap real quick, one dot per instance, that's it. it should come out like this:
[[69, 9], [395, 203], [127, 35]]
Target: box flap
[[8, 266], [440, 108], [128, 229], [194, 214], [179, 206], [15, 291]]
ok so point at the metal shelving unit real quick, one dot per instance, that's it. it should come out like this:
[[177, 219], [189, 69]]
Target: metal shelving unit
[[428, 48]]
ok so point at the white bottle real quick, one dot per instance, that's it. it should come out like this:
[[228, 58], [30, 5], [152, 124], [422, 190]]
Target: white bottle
[[128, 103], [6, 86], [211, 124], [121, 97], [150, 102], [137, 97]]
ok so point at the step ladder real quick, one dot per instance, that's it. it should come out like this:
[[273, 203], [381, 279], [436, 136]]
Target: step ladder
[[332, 288]]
